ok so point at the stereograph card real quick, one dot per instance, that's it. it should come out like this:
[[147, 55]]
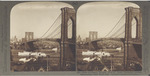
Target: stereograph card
[[74, 38]]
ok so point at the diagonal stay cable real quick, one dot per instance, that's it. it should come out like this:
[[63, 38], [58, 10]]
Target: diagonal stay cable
[[54, 31], [118, 30], [55, 34], [51, 25], [115, 25], [123, 31], [59, 32], [120, 34]]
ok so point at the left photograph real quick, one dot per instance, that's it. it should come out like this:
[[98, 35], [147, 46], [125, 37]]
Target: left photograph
[[42, 37]]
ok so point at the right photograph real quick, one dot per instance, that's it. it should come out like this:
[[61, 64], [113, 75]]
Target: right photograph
[[109, 37]]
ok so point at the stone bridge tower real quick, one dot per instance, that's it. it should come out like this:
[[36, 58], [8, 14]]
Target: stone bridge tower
[[29, 36], [131, 44], [68, 52], [92, 36]]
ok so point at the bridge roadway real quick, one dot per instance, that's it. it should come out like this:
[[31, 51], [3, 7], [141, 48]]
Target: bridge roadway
[[134, 40], [47, 39], [43, 39], [28, 45], [94, 43]]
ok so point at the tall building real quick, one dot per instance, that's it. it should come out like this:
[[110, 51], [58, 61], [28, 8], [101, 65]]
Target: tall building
[[79, 39], [15, 39]]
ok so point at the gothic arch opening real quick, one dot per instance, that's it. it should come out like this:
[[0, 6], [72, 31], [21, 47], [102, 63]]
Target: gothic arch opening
[[134, 28], [70, 25]]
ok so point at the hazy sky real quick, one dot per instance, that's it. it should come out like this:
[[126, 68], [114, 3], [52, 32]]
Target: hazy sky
[[37, 17], [100, 17], [34, 17]]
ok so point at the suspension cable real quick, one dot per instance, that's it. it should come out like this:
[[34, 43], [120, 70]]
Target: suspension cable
[[124, 31], [59, 32], [51, 25], [115, 25], [118, 30], [54, 31]]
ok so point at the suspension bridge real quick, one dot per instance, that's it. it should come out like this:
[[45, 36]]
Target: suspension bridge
[[123, 31], [63, 30], [117, 33]]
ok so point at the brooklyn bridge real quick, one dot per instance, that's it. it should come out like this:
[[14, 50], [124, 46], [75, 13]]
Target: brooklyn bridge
[[65, 35]]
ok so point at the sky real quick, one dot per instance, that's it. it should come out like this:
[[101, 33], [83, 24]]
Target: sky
[[37, 17], [101, 17]]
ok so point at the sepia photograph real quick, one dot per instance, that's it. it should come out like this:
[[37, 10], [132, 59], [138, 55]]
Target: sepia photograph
[[55, 36], [42, 38], [109, 37]]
